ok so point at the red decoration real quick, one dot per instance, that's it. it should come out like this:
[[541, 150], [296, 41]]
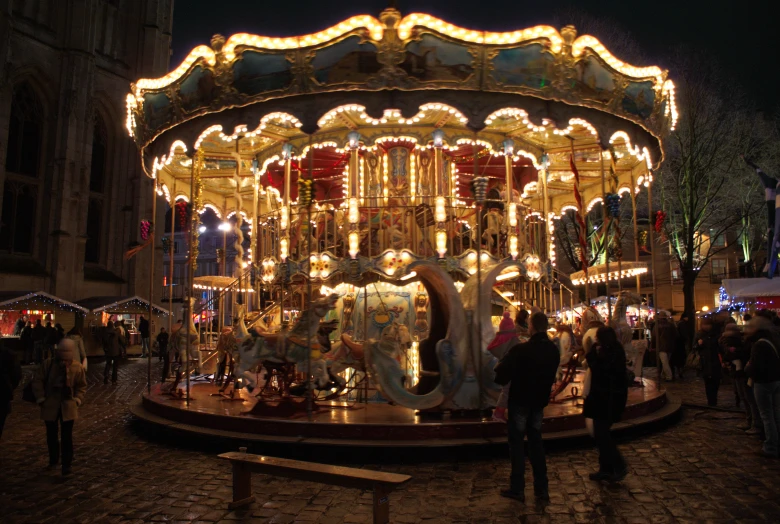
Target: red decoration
[[181, 210], [660, 218], [146, 228]]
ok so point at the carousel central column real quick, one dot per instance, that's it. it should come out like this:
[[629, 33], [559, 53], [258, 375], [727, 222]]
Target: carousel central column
[[511, 207], [353, 189], [284, 219], [440, 202]]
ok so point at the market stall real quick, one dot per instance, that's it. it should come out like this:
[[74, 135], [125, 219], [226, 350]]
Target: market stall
[[33, 306]]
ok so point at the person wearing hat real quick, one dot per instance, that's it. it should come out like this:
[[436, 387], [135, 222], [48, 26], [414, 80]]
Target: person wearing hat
[[503, 341], [59, 385]]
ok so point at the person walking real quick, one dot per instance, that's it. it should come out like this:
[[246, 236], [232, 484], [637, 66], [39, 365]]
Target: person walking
[[709, 352], [81, 354], [162, 344], [50, 341], [59, 385], [531, 368], [143, 328], [606, 401], [112, 351], [10, 376], [682, 346], [764, 370], [26, 339]]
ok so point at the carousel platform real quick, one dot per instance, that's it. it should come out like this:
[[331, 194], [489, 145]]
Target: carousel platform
[[374, 424]]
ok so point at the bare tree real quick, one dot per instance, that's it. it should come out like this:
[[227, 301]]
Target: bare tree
[[705, 189]]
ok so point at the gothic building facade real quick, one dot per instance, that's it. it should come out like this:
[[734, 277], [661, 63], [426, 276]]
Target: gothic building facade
[[73, 192]]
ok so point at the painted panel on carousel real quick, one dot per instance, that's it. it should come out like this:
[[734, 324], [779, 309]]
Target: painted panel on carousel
[[467, 262], [257, 72], [639, 98], [198, 90], [433, 59], [384, 308], [270, 269], [347, 62], [158, 110], [594, 80], [323, 265], [393, 263], [398, 171], [528, 66]]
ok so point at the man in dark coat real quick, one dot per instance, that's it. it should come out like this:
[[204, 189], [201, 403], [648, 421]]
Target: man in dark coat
[[531, 368], [143, 328], [39, 340]]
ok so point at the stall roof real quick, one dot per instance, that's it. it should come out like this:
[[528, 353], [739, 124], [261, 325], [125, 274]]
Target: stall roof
[[752, 287], [134, 304], [15, 300]]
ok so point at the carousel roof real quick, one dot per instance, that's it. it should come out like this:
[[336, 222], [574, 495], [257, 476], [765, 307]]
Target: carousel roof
[[546, 96]]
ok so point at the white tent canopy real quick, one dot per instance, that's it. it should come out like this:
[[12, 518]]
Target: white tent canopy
[[751, 287]]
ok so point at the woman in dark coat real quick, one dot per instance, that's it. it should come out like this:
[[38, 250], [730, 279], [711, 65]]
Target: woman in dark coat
[[606, 401], [709, 350]]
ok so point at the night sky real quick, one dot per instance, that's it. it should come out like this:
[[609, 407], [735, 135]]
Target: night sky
[[741, 35]]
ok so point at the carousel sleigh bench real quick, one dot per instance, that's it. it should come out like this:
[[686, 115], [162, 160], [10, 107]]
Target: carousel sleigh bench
[[381, 483]]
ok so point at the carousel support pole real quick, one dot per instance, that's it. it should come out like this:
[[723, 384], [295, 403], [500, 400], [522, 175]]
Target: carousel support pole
[[188, 300], [170, 259], [636, 228], [255, 243], [479, 277], [309, 334], [606, 233], [151, 285], [655, 285]]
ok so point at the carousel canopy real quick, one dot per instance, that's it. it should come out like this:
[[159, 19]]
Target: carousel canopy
[[751, 287], [18, 300], [131, 305], [395, 88]]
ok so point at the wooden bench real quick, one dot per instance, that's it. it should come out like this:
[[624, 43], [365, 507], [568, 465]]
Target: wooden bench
[[244, 464]]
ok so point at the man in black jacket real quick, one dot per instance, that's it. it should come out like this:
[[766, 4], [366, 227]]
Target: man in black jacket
[[764, 369], [531, 369]]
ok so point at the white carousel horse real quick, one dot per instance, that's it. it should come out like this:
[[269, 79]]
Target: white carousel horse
[[634, 352]]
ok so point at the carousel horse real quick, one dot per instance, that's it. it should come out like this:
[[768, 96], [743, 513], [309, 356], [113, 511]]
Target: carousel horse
[[292, 347], [180, 337], [624, 331]]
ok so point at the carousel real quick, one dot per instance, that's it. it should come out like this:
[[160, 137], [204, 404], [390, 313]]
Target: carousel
[[390, 184]]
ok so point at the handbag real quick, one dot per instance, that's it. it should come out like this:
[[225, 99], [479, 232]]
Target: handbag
[[28, 395], [693, 361]]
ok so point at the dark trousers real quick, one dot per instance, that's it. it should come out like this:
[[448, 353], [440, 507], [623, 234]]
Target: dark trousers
[[110, 362], [166, 357], [5, 409], [522, 422], [52, 440], [610, 459], [711, 386]]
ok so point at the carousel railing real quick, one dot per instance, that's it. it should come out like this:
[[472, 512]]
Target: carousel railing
[[241, 280]]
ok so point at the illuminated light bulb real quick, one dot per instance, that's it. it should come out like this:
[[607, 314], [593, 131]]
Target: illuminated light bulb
[[513, 246], [440, 213], [285, 217], [353, 215], [512, 215], [441, 242], [283, 247], [354, 244]]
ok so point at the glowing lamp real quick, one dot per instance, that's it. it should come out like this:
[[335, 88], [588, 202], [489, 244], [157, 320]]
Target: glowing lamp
[[224, 226], [513, 246], [202, 229], [285, 217], [440, 213], [354, 244], [441, 242], [283, 247], [287, 151], [511, 212], [354, 139], [353, 214], [509, 147], [438, 138]]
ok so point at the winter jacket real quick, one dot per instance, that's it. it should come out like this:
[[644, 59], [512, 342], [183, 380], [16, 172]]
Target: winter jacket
[[59, 387], [143, 328], [111, 342], [82, 352], [162, 340], [709, 351], [531, 368], [764, 363], [609, 384], [667, 336]]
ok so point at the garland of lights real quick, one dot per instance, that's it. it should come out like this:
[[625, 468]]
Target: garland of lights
[[34, 299], [197, 184]]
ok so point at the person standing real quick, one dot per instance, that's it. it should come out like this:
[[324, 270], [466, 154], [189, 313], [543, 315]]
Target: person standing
[[59, 385], [81, 354], [143, 328], [709, 351], [162, 343], [19, 325], [26, 338], [606, 401], [764, 370], [39, 341], [531, 368], [51, 340], [682, 346], [112, 351], [10, 376]]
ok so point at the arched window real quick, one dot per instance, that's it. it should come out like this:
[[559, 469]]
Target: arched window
[[97, 172], [25, 132], [22, 161]]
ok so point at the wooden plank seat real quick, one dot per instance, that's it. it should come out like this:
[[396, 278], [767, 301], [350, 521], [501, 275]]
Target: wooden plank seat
[[244, 464]]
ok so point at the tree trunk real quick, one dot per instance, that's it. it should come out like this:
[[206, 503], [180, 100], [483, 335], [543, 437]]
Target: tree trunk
[[689, 282]]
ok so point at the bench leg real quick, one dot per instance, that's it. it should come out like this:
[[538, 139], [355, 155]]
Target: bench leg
[[242, 486], [381, 505]]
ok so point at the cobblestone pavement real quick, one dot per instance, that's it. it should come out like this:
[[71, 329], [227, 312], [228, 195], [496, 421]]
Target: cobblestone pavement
[[703, 469]]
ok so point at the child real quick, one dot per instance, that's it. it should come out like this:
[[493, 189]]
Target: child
[[505, 339]]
